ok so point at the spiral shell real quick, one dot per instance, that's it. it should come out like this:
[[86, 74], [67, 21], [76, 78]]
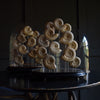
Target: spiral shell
[[22, 49], [31, 42], [28, 31], [55, 47], [42, 52], [76, 62], [50, 25], [69, 54], [19, 60], [36, 34], [21, 38], [66, 27], [33, 53], [58, 23], [67, 38], [73, 45], [49, 62], [51, 35], [42, 41]]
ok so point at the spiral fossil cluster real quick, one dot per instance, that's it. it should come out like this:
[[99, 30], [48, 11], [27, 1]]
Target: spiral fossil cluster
[[55, 34]]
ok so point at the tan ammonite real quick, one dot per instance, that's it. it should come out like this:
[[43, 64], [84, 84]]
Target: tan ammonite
[[67, 37], [66, 27], [21, 38], [55, 47], [28, 31], [42, 41], [73, 45], [49, 62], [33, 53], [76, 62], [19, 60], [36, 34], [42, 52], [22, 49], [50, 34], [69, 54], [50, 25], [31, 42], [58, 23]]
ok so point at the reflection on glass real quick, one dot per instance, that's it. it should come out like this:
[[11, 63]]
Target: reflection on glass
[[85, 54]]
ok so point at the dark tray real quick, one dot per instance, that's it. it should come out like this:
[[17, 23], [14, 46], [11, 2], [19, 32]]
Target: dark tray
[[35, 72]]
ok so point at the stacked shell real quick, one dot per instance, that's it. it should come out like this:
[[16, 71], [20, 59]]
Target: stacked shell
[[55, 34]]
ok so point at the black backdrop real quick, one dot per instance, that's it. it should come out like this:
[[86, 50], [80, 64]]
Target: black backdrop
[[83, 15]]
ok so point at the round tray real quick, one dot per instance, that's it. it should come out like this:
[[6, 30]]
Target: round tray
[[35, 72]]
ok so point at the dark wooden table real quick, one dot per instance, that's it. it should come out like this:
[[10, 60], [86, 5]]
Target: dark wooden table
[[46, 88]]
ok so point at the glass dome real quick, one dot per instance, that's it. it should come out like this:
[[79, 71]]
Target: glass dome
[[54, 51]]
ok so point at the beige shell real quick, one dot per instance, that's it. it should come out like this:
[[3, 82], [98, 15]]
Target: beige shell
[[76, 62], [22, 49], [33, 53], [66, 27], [73, 45], [51, 35], [50, 25], [55, 47], [19, 60], [21, 38], [69, 54], [58, 23], [67, 37], [31, 42], [42, 52], [42, 41], [49, 62], [36, 34], [28, 31]]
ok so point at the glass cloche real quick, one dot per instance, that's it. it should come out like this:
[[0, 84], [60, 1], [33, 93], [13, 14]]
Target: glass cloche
[[55, 50]]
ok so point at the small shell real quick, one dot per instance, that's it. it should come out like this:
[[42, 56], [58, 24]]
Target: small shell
[[69, 54], [21, 38], [76, 62], [66, 27], [36, 34], [51, 35], [28, 31], [42, 52], [22, 49], [55, 47], [42, 41], [50, 25], [67, 37], [58, 23], [49, 62], [33, 53], [19, 60], [31, 42], [73, 45]]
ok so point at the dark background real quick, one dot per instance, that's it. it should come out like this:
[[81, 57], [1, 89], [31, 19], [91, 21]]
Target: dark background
[[83, 15]]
